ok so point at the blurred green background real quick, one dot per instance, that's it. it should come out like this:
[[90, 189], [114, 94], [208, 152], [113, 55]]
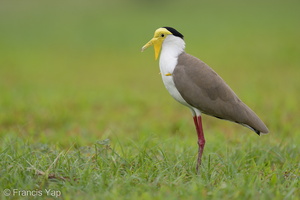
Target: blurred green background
[[74, 68], [72, 76]]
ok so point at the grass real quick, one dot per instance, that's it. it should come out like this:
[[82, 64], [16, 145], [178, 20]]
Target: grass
[[146, 170], [83, 114]]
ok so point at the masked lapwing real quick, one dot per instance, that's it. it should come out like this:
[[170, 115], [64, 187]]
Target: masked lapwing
[[197, 86]]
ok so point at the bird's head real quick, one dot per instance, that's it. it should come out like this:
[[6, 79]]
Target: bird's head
[[159, 36]]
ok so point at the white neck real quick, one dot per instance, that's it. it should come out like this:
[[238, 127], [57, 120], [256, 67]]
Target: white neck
[[172, 47]]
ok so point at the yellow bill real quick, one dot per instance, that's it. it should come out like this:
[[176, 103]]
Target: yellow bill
[[157, 46], [157, 41]]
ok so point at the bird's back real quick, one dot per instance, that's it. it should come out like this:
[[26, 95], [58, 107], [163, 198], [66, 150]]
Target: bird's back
[[201, 87]]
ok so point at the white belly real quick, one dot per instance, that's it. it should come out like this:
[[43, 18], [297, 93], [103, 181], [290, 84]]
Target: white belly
[[167, 65], [170, 85], [171, 49]]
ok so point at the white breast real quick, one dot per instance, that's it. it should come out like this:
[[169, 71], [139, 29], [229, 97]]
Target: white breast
[[172, 47]]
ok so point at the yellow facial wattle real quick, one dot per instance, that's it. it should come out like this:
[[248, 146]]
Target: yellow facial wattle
[[159, 36]]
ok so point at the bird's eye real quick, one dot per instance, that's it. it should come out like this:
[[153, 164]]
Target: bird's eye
[[162, 35]]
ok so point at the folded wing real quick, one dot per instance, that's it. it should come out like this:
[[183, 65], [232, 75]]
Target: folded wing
[[201, 87]]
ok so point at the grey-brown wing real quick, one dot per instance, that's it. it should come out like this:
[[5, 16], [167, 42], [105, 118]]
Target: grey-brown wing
[[204, 89]]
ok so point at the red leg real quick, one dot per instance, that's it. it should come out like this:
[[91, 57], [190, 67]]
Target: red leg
[[201, 139]]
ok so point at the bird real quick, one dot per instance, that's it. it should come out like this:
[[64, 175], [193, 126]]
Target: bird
[[194, 84]]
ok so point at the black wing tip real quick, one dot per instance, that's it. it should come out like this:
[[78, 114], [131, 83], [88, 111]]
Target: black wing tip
[[253, 129], [261, 132], [256, 131]]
